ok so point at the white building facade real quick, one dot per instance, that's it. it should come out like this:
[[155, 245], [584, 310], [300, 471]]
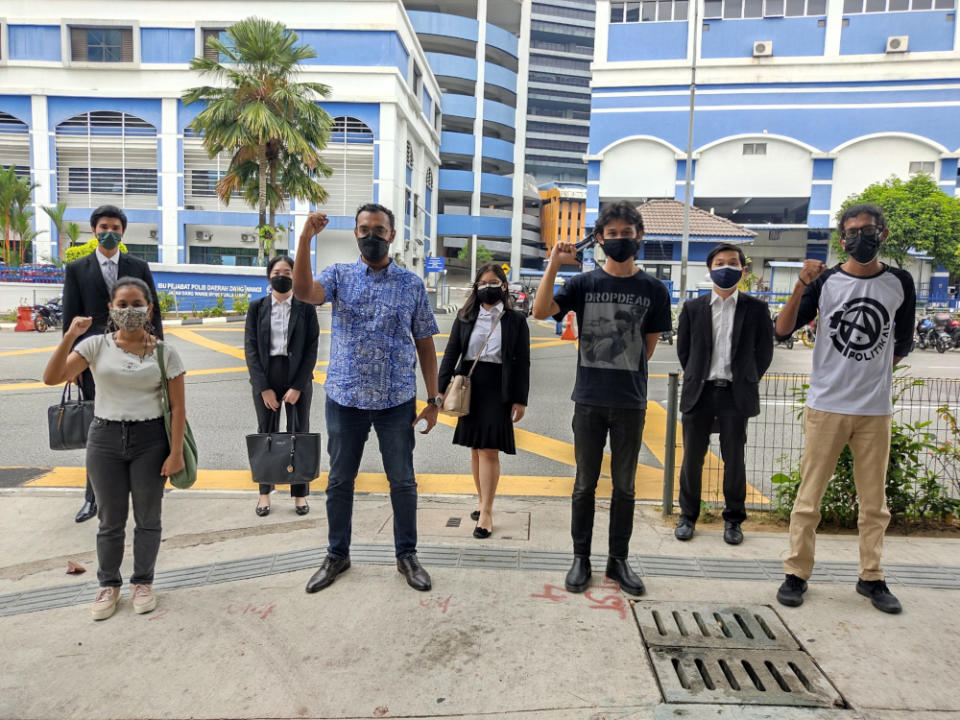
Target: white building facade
[[90, 104], [799, 104]]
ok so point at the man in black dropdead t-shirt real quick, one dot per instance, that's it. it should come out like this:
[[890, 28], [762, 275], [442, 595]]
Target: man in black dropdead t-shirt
[[621, 312]]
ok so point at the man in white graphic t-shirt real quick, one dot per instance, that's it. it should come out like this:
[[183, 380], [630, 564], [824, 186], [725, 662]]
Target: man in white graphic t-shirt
[[866, 327]]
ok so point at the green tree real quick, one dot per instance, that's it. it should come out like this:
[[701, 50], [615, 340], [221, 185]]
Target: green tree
[[65, 230], [268, 121], [16, 218], [920, 217], [484, 255]]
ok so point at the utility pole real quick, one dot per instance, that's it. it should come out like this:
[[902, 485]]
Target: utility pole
[[688, 170]]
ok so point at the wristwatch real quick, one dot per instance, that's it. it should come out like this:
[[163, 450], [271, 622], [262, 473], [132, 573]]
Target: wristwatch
[[438, 401]]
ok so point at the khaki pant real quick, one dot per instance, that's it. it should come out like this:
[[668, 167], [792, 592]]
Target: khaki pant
[[869, 439]]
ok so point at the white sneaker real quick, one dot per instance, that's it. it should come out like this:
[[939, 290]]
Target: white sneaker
[[144, 600], [105, 604]]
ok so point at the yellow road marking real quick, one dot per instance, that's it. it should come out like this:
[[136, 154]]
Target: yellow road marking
[[34, 351], [428, 483], [192, 336]]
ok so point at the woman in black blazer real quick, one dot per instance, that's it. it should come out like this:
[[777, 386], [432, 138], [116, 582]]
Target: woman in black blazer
[[281, 348], [499, 385]]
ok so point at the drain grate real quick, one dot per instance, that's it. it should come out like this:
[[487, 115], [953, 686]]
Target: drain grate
[[453, 522], [742, 677], [730, 655], [696, 625]]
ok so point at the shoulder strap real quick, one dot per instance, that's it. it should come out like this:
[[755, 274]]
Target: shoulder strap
[[164, 391], [486, 340]]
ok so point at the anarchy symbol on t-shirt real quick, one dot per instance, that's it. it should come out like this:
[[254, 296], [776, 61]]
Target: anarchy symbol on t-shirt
[[860, 329]]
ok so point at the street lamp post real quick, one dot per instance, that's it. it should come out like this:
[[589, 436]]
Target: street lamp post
[[688, 170]]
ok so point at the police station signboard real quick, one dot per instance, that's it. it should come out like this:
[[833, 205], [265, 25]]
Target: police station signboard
[[202, 285]]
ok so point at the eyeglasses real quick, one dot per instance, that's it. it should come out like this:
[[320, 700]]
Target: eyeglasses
[[867, 231], [483, 286]]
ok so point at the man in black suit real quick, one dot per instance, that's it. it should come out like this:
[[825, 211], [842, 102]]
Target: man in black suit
[[725, 345], [86, 293]]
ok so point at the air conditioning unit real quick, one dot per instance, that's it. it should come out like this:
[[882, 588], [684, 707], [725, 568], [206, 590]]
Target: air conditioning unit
[[203, 236], [897, 43], [153, 234], [246, 238], [763, 48]]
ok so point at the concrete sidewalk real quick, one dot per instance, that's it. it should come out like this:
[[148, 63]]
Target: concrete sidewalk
[[236, 636]]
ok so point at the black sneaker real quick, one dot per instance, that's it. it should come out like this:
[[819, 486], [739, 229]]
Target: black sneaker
[[792, 590], [879, 595]]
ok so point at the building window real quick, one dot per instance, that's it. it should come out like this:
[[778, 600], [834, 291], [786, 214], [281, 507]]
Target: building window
[[409, 155], [650, 11], [925, 167], [747, 9], [429, 179], [14, 145], [852, 7], [657, 250], [207, 255], [106, 157], [101, 44], [201, 173], [564, 12], [350, 154], [754, 148], [208, 52]]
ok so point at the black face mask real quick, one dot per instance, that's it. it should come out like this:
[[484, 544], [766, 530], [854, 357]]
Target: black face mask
[[281, 283], [620, 249], [490, 296], [373, 248], [863, 248]]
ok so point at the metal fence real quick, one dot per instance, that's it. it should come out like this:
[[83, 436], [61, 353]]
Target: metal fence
[[775, 437]]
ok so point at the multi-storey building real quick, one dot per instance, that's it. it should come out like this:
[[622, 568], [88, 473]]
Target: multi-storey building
[[558, 99], [90, 107], [799, 104], [478, 51]]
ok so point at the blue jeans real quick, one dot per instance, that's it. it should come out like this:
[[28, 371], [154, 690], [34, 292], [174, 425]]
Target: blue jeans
[[347, 431]]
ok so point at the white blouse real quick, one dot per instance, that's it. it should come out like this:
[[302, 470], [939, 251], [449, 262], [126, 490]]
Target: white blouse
[[485, 319], [128, 387]]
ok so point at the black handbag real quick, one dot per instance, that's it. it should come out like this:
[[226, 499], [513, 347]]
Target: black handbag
[[284, 458], [69, 420]]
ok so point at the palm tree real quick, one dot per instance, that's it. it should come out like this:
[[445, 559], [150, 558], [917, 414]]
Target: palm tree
[[258, 112], [16, 219], [65, 230]]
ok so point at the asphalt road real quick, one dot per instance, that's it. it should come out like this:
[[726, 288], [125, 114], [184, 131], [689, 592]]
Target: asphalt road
[[220, 407]]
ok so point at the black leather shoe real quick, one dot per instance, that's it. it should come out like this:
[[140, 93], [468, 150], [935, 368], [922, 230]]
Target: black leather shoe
[[481, 533], [330, 568], [619, 570], [417, 578], [684, 529], [792, 590], [732, 534], [578, 577], [87, 511], [262, 510], [303, 509], [879, 595], [475, 515]]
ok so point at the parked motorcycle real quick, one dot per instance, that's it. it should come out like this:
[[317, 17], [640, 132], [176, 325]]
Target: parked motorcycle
[[926, 335], [49, 315], [787, 342], [808, 333], [941, 326]]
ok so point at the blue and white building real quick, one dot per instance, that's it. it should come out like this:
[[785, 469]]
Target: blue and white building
[[479, 52], [90, 107], [799, 104]]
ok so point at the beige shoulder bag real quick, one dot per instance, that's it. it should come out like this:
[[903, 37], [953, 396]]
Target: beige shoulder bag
[[456, 400]]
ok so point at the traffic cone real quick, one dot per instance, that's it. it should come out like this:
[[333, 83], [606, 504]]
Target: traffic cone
[[569, 331]]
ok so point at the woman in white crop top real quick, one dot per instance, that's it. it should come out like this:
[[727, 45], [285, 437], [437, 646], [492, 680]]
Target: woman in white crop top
[[128, 451]]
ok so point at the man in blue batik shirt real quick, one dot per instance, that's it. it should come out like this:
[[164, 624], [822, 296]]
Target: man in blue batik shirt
[[381, 325]]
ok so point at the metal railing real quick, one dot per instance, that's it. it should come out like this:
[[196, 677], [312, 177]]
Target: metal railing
[[41, 274], [775, 437]]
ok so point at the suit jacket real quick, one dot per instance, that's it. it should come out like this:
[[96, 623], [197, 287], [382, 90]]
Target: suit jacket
[[752, 351], [514, 350], [303, 334], [85, 292]]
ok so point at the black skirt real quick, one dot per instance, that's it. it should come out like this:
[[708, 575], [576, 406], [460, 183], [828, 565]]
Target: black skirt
[[488, 426]]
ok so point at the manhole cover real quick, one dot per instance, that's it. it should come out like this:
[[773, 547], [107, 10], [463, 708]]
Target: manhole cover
[[709, 625], [730, 655], [742, 677]]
